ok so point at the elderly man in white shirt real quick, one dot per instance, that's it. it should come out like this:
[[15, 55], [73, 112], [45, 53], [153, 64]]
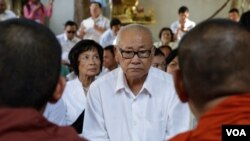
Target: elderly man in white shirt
[[68, 39], [134, 102], [183, 25], [94, 26], [5, 14]]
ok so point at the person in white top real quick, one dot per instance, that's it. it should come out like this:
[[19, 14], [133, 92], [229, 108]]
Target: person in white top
[[5, 14], [94, 26], [134, 102], [86, 60], [109, 35], [68, 39], [183, 25]]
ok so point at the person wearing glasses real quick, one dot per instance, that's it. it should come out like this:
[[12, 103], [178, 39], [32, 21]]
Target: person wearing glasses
[[68, 39], [135, 101]]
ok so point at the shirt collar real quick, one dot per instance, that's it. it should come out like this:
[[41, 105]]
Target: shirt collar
[[122, 83]]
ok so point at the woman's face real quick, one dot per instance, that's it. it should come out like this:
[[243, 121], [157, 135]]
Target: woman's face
[[89, 63], [173, 66], [166, 36]]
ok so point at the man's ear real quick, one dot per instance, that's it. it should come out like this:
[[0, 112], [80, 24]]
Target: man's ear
[[58, 90], [116, 54], [179, 86]]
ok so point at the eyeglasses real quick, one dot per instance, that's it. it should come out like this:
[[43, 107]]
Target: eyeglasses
[[130, 54], [73, 32]]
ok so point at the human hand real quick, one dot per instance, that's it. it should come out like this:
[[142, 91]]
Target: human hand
[[37, 7]]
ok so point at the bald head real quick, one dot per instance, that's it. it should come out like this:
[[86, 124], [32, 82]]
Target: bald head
[[134, 28], [214, 60]]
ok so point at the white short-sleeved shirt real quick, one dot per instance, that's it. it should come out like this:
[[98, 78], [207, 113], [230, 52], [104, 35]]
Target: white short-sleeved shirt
[[90, 32], [107, 38], [188, 26], [114, 113], [7, 14], [70, 106], [66, 45]]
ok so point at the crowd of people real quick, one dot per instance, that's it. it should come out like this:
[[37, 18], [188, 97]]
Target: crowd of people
[[106, 81]]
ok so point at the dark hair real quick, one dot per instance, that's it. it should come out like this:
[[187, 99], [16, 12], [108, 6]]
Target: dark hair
[[29, 63], [233, 10], [168, 29], [96, 2], [114, 22], [111, 49], [158, 52], [183, 9], [79, 48], [214, 62], [171, 56], [70, 23], [245, 20]]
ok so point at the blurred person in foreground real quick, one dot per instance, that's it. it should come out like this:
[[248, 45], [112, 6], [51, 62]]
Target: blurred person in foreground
[[30, 77], [216, 85]]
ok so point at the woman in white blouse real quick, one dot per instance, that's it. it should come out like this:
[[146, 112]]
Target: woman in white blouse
[[86, 59]]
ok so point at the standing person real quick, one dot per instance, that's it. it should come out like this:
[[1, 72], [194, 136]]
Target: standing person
[[215, 85], [234, 14], [94, 26], [109, 35], [183, 25], [36, 11], [135, 101], [68, 39], [5, 14], [30, 64]]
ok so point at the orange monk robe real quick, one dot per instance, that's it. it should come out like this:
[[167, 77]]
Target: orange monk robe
[[233, 110]]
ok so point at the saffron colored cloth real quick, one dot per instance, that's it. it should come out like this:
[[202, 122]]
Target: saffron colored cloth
[[234, 110], [26, 124]]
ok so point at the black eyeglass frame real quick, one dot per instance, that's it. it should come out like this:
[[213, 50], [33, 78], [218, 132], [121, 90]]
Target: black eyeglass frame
[[138, 53]]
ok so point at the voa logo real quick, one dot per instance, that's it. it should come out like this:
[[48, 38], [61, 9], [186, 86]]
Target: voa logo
[[236, 132]]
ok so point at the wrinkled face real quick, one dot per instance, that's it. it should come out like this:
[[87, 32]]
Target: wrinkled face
[[95, 10], [70, 31], [109, 60], [183, 16], [115, 29], [159, 62], [135, 68], [234, 16], [166, 36], [89, 63], [173, 66], [2, 6]]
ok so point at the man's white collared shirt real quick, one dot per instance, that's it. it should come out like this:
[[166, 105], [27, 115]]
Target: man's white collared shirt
[[107, 38], [66, 45], [114, 113]]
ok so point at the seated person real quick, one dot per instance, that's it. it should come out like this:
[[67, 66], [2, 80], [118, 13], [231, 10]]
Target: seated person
[[159, 60], [30, 77], [216, 85]]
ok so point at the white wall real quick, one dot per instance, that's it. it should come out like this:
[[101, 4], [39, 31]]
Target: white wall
[[166, 12], [63, 10]]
